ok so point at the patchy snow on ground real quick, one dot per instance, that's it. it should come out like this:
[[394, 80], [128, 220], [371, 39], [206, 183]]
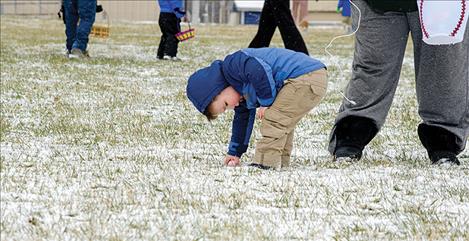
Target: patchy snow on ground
[[111, 149]]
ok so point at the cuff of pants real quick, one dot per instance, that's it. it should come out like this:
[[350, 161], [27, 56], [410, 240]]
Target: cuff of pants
[[272, 160]]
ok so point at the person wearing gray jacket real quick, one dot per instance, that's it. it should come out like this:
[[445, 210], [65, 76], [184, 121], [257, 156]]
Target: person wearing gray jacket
[[441, 75]]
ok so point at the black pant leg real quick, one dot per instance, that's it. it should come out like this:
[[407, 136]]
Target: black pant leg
[[435, 138], [291, 37], [161, 23], [170, 26], [355, 131], [160, 52], [267, 26]]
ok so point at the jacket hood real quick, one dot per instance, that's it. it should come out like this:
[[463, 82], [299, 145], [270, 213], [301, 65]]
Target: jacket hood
[[205, 84]]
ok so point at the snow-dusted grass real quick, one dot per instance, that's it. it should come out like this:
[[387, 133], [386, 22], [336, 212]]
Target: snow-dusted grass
[[111, 149]]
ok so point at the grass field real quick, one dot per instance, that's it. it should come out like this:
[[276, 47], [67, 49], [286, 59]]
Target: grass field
[[111, 149]]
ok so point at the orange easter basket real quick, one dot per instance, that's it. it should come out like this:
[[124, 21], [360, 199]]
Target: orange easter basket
[[101, 29]]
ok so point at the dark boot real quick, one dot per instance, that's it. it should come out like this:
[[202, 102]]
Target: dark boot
[[260, 166], [440, 144], [353, 133]]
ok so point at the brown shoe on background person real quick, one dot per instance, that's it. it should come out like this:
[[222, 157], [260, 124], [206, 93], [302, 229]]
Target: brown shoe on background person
[[304, 25]]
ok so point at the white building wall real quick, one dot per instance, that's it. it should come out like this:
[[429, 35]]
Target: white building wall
[[148, 10], [127, 10]]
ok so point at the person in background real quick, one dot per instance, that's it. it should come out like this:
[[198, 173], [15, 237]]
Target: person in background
[[343, 7], [276, 13], [171, 12], [300, 13], [79, 16]]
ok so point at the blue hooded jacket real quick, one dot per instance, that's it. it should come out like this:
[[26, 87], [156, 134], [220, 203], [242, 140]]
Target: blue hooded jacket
[[205, 84], [257, 74], [172, 6]]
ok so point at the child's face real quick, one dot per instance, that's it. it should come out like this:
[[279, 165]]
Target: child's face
[[227, 99]]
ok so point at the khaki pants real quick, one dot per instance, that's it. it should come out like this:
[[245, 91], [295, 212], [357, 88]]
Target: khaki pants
[[297, 97]]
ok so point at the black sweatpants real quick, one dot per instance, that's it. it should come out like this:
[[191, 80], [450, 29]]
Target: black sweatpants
[[276, 13], [169, 25]]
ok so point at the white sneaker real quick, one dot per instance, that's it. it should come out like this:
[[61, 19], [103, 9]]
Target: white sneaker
[[67, 53], [175, 58], [78, 54]]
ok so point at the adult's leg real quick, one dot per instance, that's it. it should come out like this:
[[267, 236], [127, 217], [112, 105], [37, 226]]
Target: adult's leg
[[267, 26], [442, 82], [379, 51], [303, 14], [71, 21], [87, 13], [290, 35], [294, 10]]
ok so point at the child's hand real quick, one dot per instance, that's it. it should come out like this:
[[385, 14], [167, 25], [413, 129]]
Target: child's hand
[[260, 112], [231, 161]]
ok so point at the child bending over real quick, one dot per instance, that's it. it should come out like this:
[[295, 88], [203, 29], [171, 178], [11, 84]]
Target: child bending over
[[284, 85]]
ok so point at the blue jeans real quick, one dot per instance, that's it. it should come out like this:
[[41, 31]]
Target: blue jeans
[[79, 18]]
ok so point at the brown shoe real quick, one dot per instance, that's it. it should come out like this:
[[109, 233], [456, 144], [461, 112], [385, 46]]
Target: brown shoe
[[304, 25]]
